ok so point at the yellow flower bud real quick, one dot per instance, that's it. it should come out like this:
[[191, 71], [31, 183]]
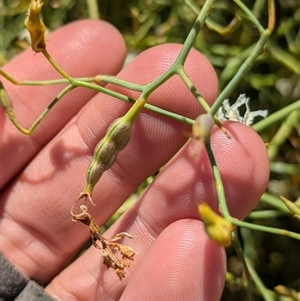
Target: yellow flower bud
[[217, 228], [287, 292], [35, 26], [292, 207]]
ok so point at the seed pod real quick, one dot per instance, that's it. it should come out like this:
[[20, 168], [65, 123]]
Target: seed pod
[[103, 152], [96, 170], [119, 133], [106, 152]]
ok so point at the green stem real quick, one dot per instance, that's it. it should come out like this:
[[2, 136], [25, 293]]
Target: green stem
[[257, 51], [224, 209], [277, 116], [191, 87], [45, 112], [250, 15], [57, 68], [243, 283], [284, 168], [277, 231], [241, 72], [121, 83], [134, 111], [93, 9], [188, 44], [172, 115], [273, 202], [266, 214], [284, 57], [256, 279], [191, 38], [240, 253], [258, 8], [283, 132]]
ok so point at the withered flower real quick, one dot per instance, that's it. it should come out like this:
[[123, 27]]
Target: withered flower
[[108, 247], [35, 26], [202, 126], [217, 228]]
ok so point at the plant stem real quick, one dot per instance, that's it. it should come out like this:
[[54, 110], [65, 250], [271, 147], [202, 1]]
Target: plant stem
[[277, 116]]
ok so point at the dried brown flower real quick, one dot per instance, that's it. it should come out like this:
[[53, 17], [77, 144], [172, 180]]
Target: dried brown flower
[[108, 247]]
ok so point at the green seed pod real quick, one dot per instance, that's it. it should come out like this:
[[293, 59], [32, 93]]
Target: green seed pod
[[119, 133], [103, 152], [106, 152], [103, 160]]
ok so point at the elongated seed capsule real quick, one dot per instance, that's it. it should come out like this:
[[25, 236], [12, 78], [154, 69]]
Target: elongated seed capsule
[[106, 152], [103, 160], [116, 138], [119, 133]]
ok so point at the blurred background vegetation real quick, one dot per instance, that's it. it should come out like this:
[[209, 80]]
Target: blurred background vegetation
[[227, 40]]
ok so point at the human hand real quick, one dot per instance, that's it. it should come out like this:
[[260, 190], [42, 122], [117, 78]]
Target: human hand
[[43, 173]]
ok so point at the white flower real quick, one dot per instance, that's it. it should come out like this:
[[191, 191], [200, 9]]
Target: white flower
[[227, 112]]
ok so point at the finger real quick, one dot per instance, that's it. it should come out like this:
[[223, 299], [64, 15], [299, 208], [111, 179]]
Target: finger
[[243, 164], [49, 185], [179, 187], [81, 49], [181, 264]]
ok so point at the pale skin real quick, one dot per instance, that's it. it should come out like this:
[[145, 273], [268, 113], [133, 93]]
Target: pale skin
[[42, 174]]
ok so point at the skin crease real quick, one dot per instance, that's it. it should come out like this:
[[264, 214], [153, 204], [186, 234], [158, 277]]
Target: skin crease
[[42, 175]]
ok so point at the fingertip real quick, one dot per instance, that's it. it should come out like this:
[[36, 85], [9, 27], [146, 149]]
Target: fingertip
[[182, 264], [93, 42], [244, 164]]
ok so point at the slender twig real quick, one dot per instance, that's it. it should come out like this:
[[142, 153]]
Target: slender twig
[[258, 49], [258, 282]]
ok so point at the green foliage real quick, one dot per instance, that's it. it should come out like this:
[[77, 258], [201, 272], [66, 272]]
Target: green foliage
[[228, 38]]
